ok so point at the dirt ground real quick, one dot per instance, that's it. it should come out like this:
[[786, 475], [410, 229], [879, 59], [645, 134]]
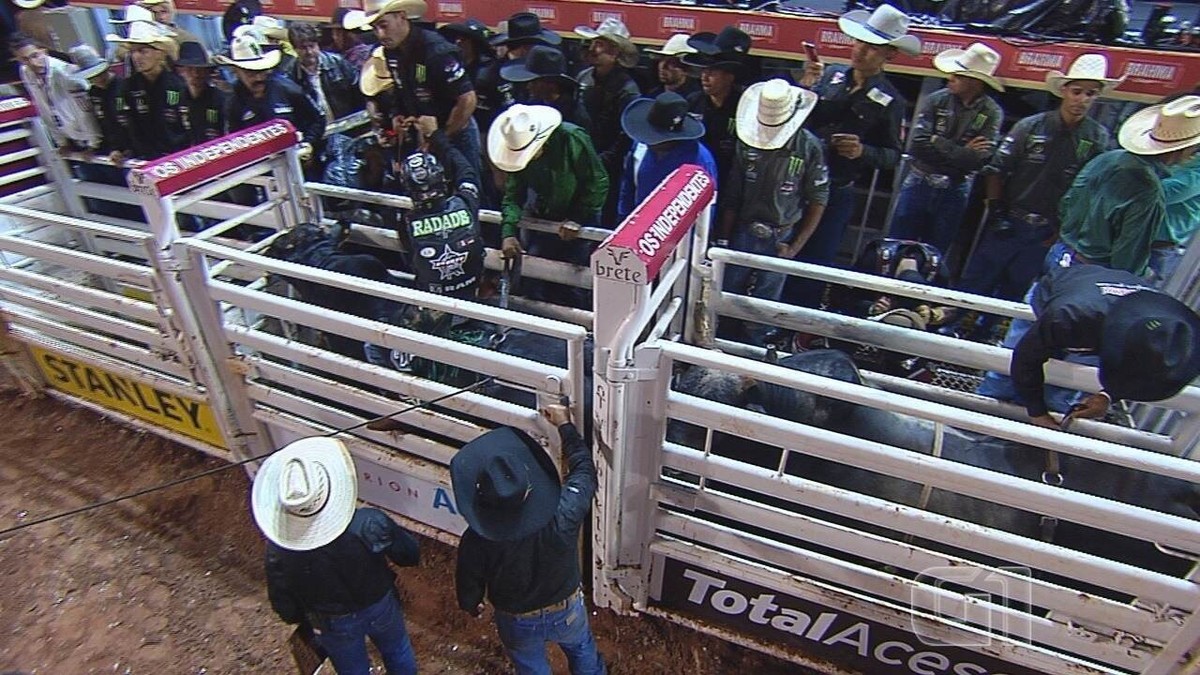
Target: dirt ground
[[172, 582]]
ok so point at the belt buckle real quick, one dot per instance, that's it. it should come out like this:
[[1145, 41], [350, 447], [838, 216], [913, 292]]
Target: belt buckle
[[1036, 219], [937, 180], [761, 230]]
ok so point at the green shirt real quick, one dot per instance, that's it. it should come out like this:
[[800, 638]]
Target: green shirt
[[566, 182], [1182, 192], [1113, 210]]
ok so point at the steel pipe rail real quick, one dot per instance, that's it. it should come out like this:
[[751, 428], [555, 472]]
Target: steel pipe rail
[[89, 297], [92, 227]]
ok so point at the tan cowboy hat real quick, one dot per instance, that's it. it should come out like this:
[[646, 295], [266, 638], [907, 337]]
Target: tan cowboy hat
[[615, 31], [135, 13], [675, 46], [270, 27], [305, 494], [977, 61], [145, 33], [373, 9], [247, 52], [1092, 67], [375, 78], [769, 113], [1162, 128], [886, 25], [518, 133]]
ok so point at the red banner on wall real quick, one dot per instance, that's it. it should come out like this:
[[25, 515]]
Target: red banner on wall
[[1151, 74], [16, 109]]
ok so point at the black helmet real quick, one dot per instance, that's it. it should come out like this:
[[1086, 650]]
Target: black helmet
[[423, 180]]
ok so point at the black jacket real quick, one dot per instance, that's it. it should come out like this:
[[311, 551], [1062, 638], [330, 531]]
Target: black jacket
[[339, 83], [283, 99], [155, 115]]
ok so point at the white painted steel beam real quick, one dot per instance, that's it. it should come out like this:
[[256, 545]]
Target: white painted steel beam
[[79, 260], [961, 534], [34, 215], [1019, 432], [83, 295], [152, 336]]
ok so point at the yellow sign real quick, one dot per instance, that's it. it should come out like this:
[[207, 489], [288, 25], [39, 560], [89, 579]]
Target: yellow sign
[[190, 417]]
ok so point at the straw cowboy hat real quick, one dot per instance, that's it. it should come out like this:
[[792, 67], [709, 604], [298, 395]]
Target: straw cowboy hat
[[977, 61], [660, 119], [89, 63], [615, 31], [769, 113], [886, 25], [505, 485], [247, 52], [305, 494], [1150, 347], [375, 78], [523, 28], [373, 9], [518, 133], [1162, 128], [1092, 67], [145, 33], [675, 46], [28, 4], [135, 13]]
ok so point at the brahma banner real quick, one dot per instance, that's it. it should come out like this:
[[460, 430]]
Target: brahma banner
[[640, 247], [188, 168]]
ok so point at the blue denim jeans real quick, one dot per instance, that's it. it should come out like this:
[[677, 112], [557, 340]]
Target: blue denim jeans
[[822, 247], [929, 214], [1163, 262], [469, 143], [343, 638], [525, 637], [766, 285], [1006, 262], [1000, 387]]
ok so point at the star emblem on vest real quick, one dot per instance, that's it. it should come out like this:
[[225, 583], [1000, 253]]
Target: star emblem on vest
[[449, 264]]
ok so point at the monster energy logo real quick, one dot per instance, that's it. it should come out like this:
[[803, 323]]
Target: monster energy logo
[[172, 97], [213, 115], [1082, 149], [794, 165], [420, 72]]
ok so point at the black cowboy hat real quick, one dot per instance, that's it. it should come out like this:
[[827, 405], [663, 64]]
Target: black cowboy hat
[[1150, 348], [239, 13], [523, 28], [660, 119], [471, 29], [727, 49], [540, 62], [505, 485], [192, 53]]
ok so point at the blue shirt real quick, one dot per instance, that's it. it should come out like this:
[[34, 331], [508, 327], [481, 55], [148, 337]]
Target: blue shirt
[[1181, 190], [645, 169]]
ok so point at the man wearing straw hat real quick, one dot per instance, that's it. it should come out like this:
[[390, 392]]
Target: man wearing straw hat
[[858, 118], [326, 561], [259, 97], [428, 71], [164, 13], [1116, 205], [776, 190], [672, 73], [156, 99], [521, 549], [1029, 174], [606, 88], [954, 136]]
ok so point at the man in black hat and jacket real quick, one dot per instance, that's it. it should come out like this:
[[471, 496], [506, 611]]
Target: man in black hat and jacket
[[1146, 344], [721, 59], [543, 72], [206, 114], [479, 58], [521, 549]]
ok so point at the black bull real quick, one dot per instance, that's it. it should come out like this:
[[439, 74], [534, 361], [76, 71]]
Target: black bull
[[1167, 495]]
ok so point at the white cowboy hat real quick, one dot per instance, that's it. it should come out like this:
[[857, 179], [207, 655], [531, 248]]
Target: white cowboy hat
[[769, 113], [375, 77], [247, 52], [675, 46], [304, 495], [1092, 67], [28, 4], [884, 26], [355, 17], [615, 31], [270, 27], [136, 13], [977, 61], [518, 133], [144, 33], [373, 9], [1162, 128]]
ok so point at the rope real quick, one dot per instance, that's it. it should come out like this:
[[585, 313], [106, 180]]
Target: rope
[[210, 472]]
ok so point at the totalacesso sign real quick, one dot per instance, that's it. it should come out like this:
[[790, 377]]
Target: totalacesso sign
[[640, 247], [188, 168], [842, 638]]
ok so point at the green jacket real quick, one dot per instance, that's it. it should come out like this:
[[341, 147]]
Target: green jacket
[[567, 182]]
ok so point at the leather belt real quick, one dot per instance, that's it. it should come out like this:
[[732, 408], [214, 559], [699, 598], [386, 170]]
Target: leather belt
[[1035, 219], [554, 607], [936, 179]]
